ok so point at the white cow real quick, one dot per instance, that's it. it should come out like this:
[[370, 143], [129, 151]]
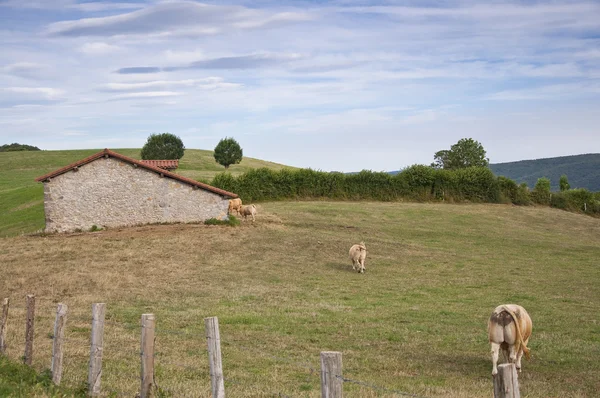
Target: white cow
[[249, 210], [509, 329], [358, 253]]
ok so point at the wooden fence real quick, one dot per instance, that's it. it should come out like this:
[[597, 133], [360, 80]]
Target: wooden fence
[[505, 383]]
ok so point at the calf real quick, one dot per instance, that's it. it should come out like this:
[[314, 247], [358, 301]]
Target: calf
[[235, 204], [509, 329], [249, 210]]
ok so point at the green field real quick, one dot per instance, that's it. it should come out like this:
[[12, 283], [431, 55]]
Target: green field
[[284, 290], [22, 199]]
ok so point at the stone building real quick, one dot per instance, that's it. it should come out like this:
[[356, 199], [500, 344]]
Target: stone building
[[112, 190]]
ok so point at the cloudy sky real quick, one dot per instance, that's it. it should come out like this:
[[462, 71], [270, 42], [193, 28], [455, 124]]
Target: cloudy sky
[[333, 85]]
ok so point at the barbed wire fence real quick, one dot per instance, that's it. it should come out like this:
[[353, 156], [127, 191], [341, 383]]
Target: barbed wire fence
[[81, 350]]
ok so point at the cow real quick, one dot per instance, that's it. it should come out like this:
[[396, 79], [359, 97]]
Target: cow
[[358, 253], [246, 211], [235, 204], [509, 329]]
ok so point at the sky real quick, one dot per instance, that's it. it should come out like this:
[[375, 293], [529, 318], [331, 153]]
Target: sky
[[331, 85]]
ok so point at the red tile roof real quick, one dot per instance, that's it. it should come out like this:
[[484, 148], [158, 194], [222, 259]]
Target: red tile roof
[[163, 164], [109, 153]]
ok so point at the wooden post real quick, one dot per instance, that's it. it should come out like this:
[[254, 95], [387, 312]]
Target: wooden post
[[95, 368], [28, 356], [147, 355], [331, 374], [57, 345], [3, 323], [213, 339], [506, 384]]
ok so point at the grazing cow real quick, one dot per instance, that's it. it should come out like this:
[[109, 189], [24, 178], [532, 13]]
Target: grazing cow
[[235, 204], [509, 329], [358, 253], [249, 210]]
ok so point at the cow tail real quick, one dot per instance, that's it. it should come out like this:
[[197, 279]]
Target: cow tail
[[520, 343]]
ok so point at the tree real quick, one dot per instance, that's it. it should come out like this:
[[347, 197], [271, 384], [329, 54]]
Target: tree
[[541, 192], [162, 147], [564, 183], [465, 153], [228, 152]]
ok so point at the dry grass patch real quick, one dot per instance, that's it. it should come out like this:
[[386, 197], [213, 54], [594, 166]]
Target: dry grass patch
[[284, 290]]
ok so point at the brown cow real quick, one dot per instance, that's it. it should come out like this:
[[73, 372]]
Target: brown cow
[[509, 329], [235, 204], [358, 253]]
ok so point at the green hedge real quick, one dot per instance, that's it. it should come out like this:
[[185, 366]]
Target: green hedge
[[415, 183]]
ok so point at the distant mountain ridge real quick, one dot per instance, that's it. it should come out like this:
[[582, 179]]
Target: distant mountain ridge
[[582, 171]]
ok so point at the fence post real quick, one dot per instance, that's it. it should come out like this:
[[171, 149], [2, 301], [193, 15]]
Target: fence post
[[28, 356], [213, 339], [95, 368], [57, 345], [331, 374], [147, 355], [3, 323], [506, 384]]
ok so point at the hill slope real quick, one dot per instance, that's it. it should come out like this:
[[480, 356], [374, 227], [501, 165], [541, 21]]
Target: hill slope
[[284, 290], [22, 199], [583, 171]]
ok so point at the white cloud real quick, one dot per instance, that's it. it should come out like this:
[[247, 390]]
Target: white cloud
[[45, 92], [173, 16], [209, 83], [148, 94], [98, 48]]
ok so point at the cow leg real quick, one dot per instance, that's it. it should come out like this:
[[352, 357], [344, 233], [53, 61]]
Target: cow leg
[[519, 356], [512, 358], [495, 353]]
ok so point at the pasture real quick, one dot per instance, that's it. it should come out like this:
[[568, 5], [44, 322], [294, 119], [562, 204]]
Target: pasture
[[284, 290]]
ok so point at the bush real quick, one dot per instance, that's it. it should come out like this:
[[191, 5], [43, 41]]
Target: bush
[[541, 193], [523, 195], [578, 200], [232, 221], [419, 180]]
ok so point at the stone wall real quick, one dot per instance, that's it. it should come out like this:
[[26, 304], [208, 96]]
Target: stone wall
[[111, 193]]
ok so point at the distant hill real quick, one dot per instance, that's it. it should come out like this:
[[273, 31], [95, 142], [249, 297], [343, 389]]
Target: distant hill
[[583, 171]]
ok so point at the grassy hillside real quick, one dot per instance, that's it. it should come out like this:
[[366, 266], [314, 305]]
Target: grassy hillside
[[284, 290], [22, 199], [583, 171]]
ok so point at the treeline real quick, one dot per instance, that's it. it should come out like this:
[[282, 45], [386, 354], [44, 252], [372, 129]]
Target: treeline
[[14, 147], [415, 183]]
